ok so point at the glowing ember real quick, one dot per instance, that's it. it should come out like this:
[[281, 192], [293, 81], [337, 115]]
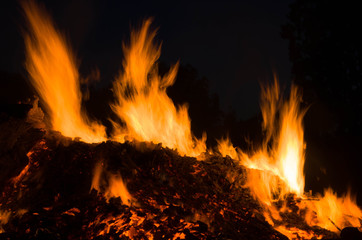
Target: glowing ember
[[53, 72], [142, 102], [4, 218], [295, 233]]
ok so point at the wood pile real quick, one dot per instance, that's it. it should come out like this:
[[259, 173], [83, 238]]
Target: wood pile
[[45, 185]]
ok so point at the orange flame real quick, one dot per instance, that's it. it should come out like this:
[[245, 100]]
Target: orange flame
[[142, 101], [332, 212], [276, 169], [54, 75], [285, 159], [281, 158], [226, 148], [116, 187], [96, 180]]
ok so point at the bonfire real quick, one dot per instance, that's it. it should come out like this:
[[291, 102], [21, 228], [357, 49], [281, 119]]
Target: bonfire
[[64, 177]]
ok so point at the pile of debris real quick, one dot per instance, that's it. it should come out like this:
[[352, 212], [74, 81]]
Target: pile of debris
[[46, 184]]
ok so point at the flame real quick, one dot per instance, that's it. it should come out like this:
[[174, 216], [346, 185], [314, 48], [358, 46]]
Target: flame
[[226, 148], [97, 173], [142, 102], [54, 75], [276, 169], [281, 157], [332, 212], [116, 187], [285, 158], [141, 98]]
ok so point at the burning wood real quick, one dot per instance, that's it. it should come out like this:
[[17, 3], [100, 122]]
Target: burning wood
[[172, 196], [64, 178]]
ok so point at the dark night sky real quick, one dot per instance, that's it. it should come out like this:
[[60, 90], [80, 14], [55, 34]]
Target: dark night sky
[[235, 45]]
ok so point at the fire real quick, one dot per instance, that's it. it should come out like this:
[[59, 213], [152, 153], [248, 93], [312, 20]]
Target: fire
[[285, 158], [226, 148], [276, 170], [54, 75], [115, 187], [141, 99], [97, 174], [332, 212], [142, 102], [281, 158]]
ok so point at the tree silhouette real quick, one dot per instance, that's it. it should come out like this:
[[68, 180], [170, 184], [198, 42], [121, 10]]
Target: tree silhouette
[[325, 50]]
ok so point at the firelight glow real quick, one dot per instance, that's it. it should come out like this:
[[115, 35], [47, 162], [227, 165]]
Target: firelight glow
[[275, 170], [142, 102], [53, 73], [115, 187], [285, 157]]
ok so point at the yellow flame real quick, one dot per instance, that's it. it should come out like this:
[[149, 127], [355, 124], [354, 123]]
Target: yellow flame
[[226, 148], [115, 188], [332, 212], [53, 72], [281, 158], [142, 102], [285, 136], [276, 169], [290, 146]]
